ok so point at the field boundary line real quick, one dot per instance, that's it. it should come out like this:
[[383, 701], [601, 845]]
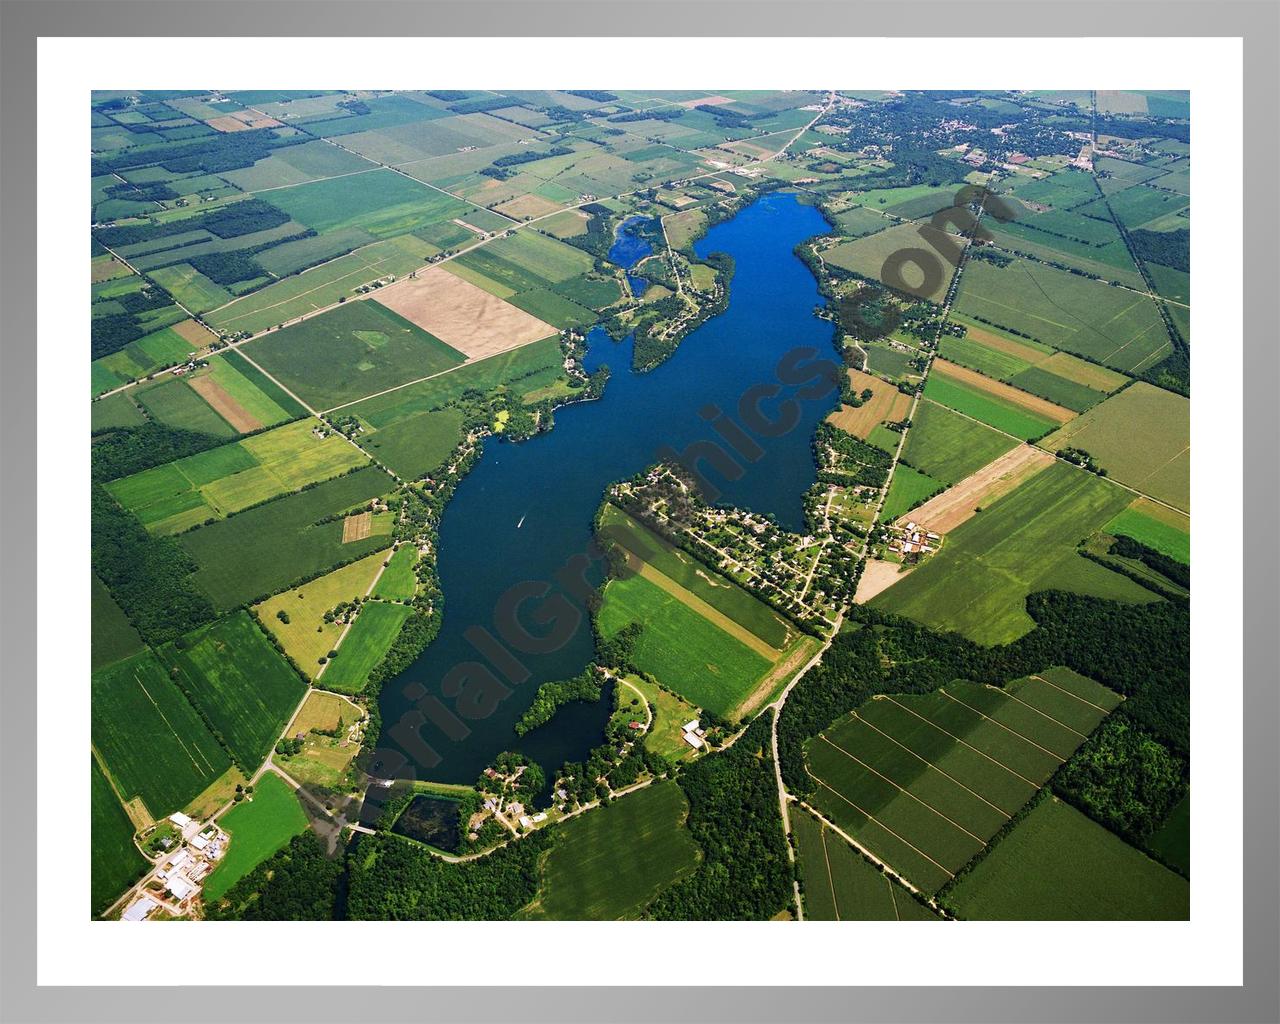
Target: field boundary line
[[876, 821], [1082, 700], [930, 764], [176, 736], [893, 900], [904, 792], [1035, 786], [1075, 732], [1011, 732], [831, 882]]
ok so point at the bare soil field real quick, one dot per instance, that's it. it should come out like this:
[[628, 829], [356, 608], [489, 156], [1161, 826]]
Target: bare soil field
[[877, 576], [462, 315], [196, 333], [107, 270], [470, 227], [957, 504], [226, 406], [357, 527], [706, 101], [887, 403], [998, 389], [242, 121]]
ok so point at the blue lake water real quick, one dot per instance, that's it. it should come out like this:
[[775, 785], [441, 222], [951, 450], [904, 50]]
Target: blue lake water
[[628, 249], [526, 509]]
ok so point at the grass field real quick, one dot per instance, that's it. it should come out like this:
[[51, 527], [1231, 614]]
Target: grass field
[[866, 257], [925, 781], [907, 489], [113, 635], [1142, 437], [380, 202], [116, 862], [1172, 840], [413, 447], [266, 549], [948, 446], [117, 411], [372, 634], [322, 285], [258, 827], [1154, 527], [220, 481], [239, 683], [989, 409], [716, 590], [1058, 865], [670, 713], [1112, 325], [1024, 542], [839, 885], [150, 738], [521, 370], [398, 581], [682, 649], [172, 402], [191, 288], [260, 397], [350, 352], [611, 862]]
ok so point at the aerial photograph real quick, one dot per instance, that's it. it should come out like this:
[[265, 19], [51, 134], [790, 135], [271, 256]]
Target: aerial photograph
[[598, 504]]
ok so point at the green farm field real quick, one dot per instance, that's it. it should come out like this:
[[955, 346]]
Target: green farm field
[[321, 286], [1037, 380], [258, 395], [839, 885], [948, 447], [350, 352], [398, 581], [258, 827], [113, 635], [191, 288], [925, 781], [680, 648], [172, 401], [150, 738], [521, 370], [240, 684], [1057, 376], [117, 864], [265, 549], [215, 483], [866, 257], [1142, 437], [1112, 325], [306, 637], [152, 352], [1058, 865], [721, 593], [1155, 527], [413, 447], [371, 636], [908, 488], [1024, 542], [989, 409], [380, 202], [609, 864]]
